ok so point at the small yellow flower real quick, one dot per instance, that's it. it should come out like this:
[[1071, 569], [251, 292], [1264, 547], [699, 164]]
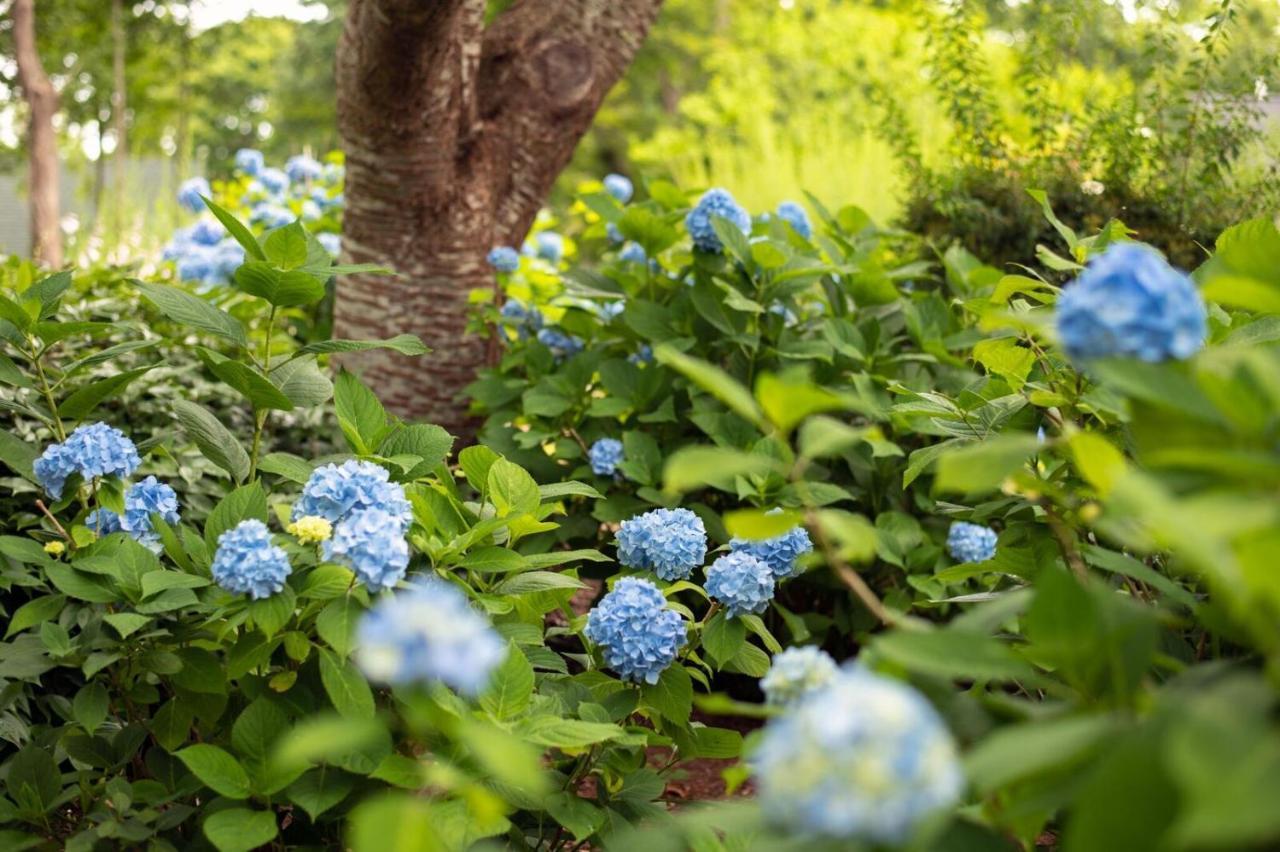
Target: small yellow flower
[[311, 529], [55, 548]]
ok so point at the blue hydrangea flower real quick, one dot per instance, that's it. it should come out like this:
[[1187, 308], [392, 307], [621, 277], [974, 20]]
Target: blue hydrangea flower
[[619, 186], [795, 216], [426, 633], [1130, 302], [227, 257], [715, 202], [741, 583], [371, 543], [865, 757], [103, 522], [524, 319], [333, 172], [250, 161], [196, 266], [638, 634], [613, 233], [332, 243], [633, 253], [189, 194], [643, 355], [310, 211], [93, 450], [270, 215], [610, 310], [144, 499], [206, 231], [561, 345], [273, 181], [246, 561], [503, 258], [549, 246], [795, 673], [605, 455], [779, 553], [668, 542], [334, 491], [301, 168], [971, 542]]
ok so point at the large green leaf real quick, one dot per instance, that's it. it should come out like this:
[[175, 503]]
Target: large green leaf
[[216, 769], [186, 309], [215, 441]]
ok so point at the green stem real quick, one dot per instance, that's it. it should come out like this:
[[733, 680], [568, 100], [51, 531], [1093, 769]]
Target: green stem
[[260, 417], [47, 392]]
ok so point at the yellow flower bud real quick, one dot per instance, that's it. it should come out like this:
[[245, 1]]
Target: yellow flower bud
[[55, 548], [311, 529]]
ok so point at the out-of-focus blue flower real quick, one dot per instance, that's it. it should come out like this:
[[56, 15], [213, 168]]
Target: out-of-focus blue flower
[[270, 215], [715, 202], [205, 231], [605, 455], [633, 253], [1130, 302], [250, 161], [196, 265], [227, 256], [795, 673], [333, 172], [320, 196], [612, 309], [643, 355], [103, 522], [310, 211], [525, 320], [864, 757], [619, 186], [561, 345], [613, 233], [789, 317], [549, 246], [638, 633], [189, 194], [144, 499], [668, 542], [971, 542], [333, 491], [93, 450], [795, 216], [246, 561], [429, 633], [301, 168], [503, 258], [741, 582], [273, 181], [371, 543], [332, 243], [779, 553]]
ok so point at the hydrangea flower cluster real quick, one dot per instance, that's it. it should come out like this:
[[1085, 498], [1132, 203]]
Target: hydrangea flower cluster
[[190, 192], [741, 583], [639, 635], [271, 181], [1130, 302], [204, 253], [605, 455], [144, 499], [561, 345], [780, 553], [270, 214], [795, 673], [103, 522], [335, 490], [332, 243], [93, 450], [371, 542], [246, 561], [549, 246], [503, 258], [614, 233], [795, 216], [524, 319], [250, 161], [633, 253], [429, 632], [865, 757], [619, 186], [971, 542], [668, 542], [301, 168], [714, 202]]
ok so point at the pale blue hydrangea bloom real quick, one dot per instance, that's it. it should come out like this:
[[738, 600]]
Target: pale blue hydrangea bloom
[[246, 561], [780, 553], [614, 233], [561, 345], [270, 215], [190, 192], [332, 243], [741, 583], [620, 187], [795, 673], [633, 253], [638, 633], [333, 491], [302, 168], [971, 542], [92, 450], [715, 202], [1130, 302], [605, 455], [250, 161], [371, 543], [610, 310], [522, 318], [273, 181], [549, 246], [795, 216], [669, 542], [643, 355], [310, 211], [426, 633], [103, 522], [503, 258], [144, 499], [865, 757], [205, 231]]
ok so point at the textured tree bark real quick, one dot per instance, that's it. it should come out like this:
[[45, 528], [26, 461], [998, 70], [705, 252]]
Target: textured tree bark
[[42, 103], [454, 133]]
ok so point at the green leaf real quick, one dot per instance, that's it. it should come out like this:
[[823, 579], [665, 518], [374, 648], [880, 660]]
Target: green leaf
[[977, 468], [215, 441], [760, 523], [243, 503], [510, 690], [429, 443], [672, 696], [557, 490], [278, 287], [361, 416], [345, 686], [722, 637], [238, 231], [126, 623], [240, 829], [718, 743], [216, 769], [273, 613], [303, 382], [405, 344], [35, 611], [286, 465], [155, 582], [689, 468], [788, 399], [257, 730], [493, 560], [555, 732], [321, 790], [34, 775], [952, 654], [475, 462], [713, 380], [87, 398], [511, 489], [90, 706], [1023, 751], [537, 581], [18, 455], [84, 587], [186, 309], [246, 381], [336, 624]]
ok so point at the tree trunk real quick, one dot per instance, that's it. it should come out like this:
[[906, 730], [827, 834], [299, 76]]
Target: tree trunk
[[42, 102], [118, 106], [454, 133]]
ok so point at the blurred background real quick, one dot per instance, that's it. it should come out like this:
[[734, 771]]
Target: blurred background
[[925, 114]]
